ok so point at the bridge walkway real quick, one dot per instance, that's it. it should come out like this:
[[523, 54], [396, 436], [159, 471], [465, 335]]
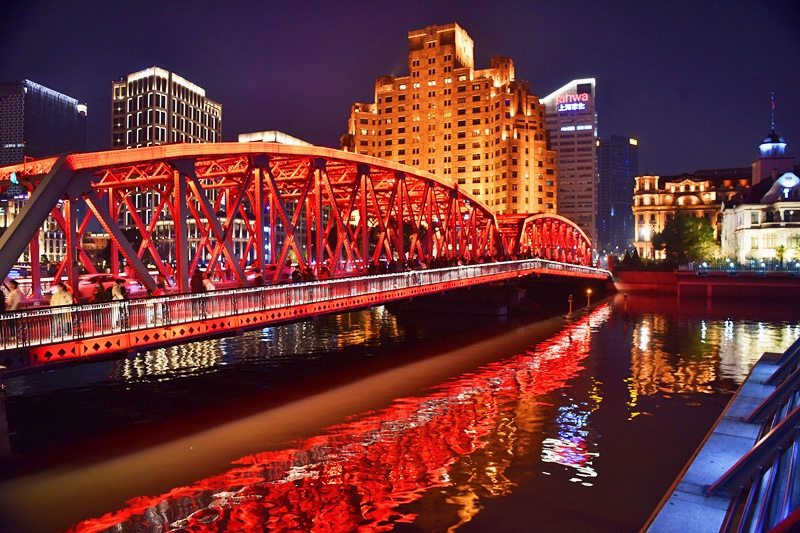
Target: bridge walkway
[[71, 333], [744, 475]]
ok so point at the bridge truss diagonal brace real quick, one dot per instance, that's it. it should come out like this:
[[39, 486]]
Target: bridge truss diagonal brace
[[34, 212], [110, 225]]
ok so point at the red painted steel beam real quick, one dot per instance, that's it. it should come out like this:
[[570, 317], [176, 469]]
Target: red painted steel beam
[[322, 206]]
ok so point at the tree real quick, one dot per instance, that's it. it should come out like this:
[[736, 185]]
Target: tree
[[780, 253], [686, 238]]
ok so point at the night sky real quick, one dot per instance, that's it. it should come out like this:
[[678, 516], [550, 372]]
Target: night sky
[[691, 80]]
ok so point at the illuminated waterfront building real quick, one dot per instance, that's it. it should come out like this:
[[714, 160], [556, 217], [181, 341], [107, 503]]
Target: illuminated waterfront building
[[764, 227], [274, 136], [483, 129], [155, 106], [572, 126], [755, 210], [37, 122], [619, 165], [656, 199], [151, 107]]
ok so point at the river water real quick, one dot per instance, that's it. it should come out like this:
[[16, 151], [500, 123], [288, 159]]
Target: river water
[[381, 421]]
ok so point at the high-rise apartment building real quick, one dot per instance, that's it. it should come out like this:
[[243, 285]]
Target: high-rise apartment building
[[154, 106], [619, 166], [572, 125], [481, 128], [37, 122]]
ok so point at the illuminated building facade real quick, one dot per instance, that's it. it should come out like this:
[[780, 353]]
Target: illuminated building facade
[[619, 165], [572, 126], [483, 129], [274, 136], [37, 122], [656, 199], [764, 227], [152, 107], [155, 106]]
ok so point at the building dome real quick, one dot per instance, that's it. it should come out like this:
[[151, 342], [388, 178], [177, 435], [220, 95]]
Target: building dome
[[774, 138], [774, 145]]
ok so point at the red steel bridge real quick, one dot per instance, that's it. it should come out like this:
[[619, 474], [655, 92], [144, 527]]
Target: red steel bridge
[[237, 213]]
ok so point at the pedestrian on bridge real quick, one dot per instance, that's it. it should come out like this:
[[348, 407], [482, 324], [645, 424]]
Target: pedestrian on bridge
[[61, 320], [119, 305], [15, 296], [13, 326], [197, 285]]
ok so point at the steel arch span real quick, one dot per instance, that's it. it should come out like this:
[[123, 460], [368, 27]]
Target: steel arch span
[[243, 210], [546, 236]]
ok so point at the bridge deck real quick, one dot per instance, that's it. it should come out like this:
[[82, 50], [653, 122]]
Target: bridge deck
[[68, 334]]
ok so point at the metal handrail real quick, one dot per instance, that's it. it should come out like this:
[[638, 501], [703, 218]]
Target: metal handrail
[[791, 267], [780, 396], [762, 482], [57, 324], [750, 466], [788, 362]]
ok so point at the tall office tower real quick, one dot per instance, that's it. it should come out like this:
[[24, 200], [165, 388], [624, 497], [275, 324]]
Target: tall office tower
[[572, 125], [37, 122], [481, 128], [154, 106], [151, 107], [619, 166]]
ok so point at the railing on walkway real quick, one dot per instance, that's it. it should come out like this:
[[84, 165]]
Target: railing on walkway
[[57, 324], [763, 484], [791, 267]]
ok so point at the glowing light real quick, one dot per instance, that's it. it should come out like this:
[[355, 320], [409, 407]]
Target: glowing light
[[579, 106]]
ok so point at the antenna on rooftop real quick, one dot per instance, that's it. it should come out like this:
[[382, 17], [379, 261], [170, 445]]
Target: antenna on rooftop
[[773, 110]]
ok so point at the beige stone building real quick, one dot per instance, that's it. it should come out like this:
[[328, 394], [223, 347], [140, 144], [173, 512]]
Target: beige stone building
[[656, 199], [762, 229], [483, 129]]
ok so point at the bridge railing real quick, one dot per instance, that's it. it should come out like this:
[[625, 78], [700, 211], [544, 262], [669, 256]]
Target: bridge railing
[[57, 324]]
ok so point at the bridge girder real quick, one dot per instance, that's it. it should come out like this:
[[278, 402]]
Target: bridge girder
[[233, 206]]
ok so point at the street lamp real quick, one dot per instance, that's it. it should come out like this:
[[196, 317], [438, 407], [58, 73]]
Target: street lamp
[[570, 300], [588, 298]]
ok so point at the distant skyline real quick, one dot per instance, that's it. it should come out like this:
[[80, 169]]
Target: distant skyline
[[690, 80]]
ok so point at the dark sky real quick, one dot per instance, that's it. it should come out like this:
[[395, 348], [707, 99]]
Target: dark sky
[[690, 79]]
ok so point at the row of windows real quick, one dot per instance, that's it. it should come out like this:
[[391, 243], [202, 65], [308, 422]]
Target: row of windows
[[151, 100]]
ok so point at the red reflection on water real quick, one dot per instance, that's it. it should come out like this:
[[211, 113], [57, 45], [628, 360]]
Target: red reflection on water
[[357, 474]]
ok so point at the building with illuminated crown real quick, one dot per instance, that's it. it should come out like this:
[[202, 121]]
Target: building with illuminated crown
[[152, 107], [155, 106], [572, 126], [37, 122], [483, 129]]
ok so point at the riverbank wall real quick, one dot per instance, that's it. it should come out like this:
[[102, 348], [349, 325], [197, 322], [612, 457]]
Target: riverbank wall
[[711, 284]]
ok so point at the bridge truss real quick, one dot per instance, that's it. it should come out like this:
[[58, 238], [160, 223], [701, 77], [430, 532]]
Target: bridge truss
[[243, 210]]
